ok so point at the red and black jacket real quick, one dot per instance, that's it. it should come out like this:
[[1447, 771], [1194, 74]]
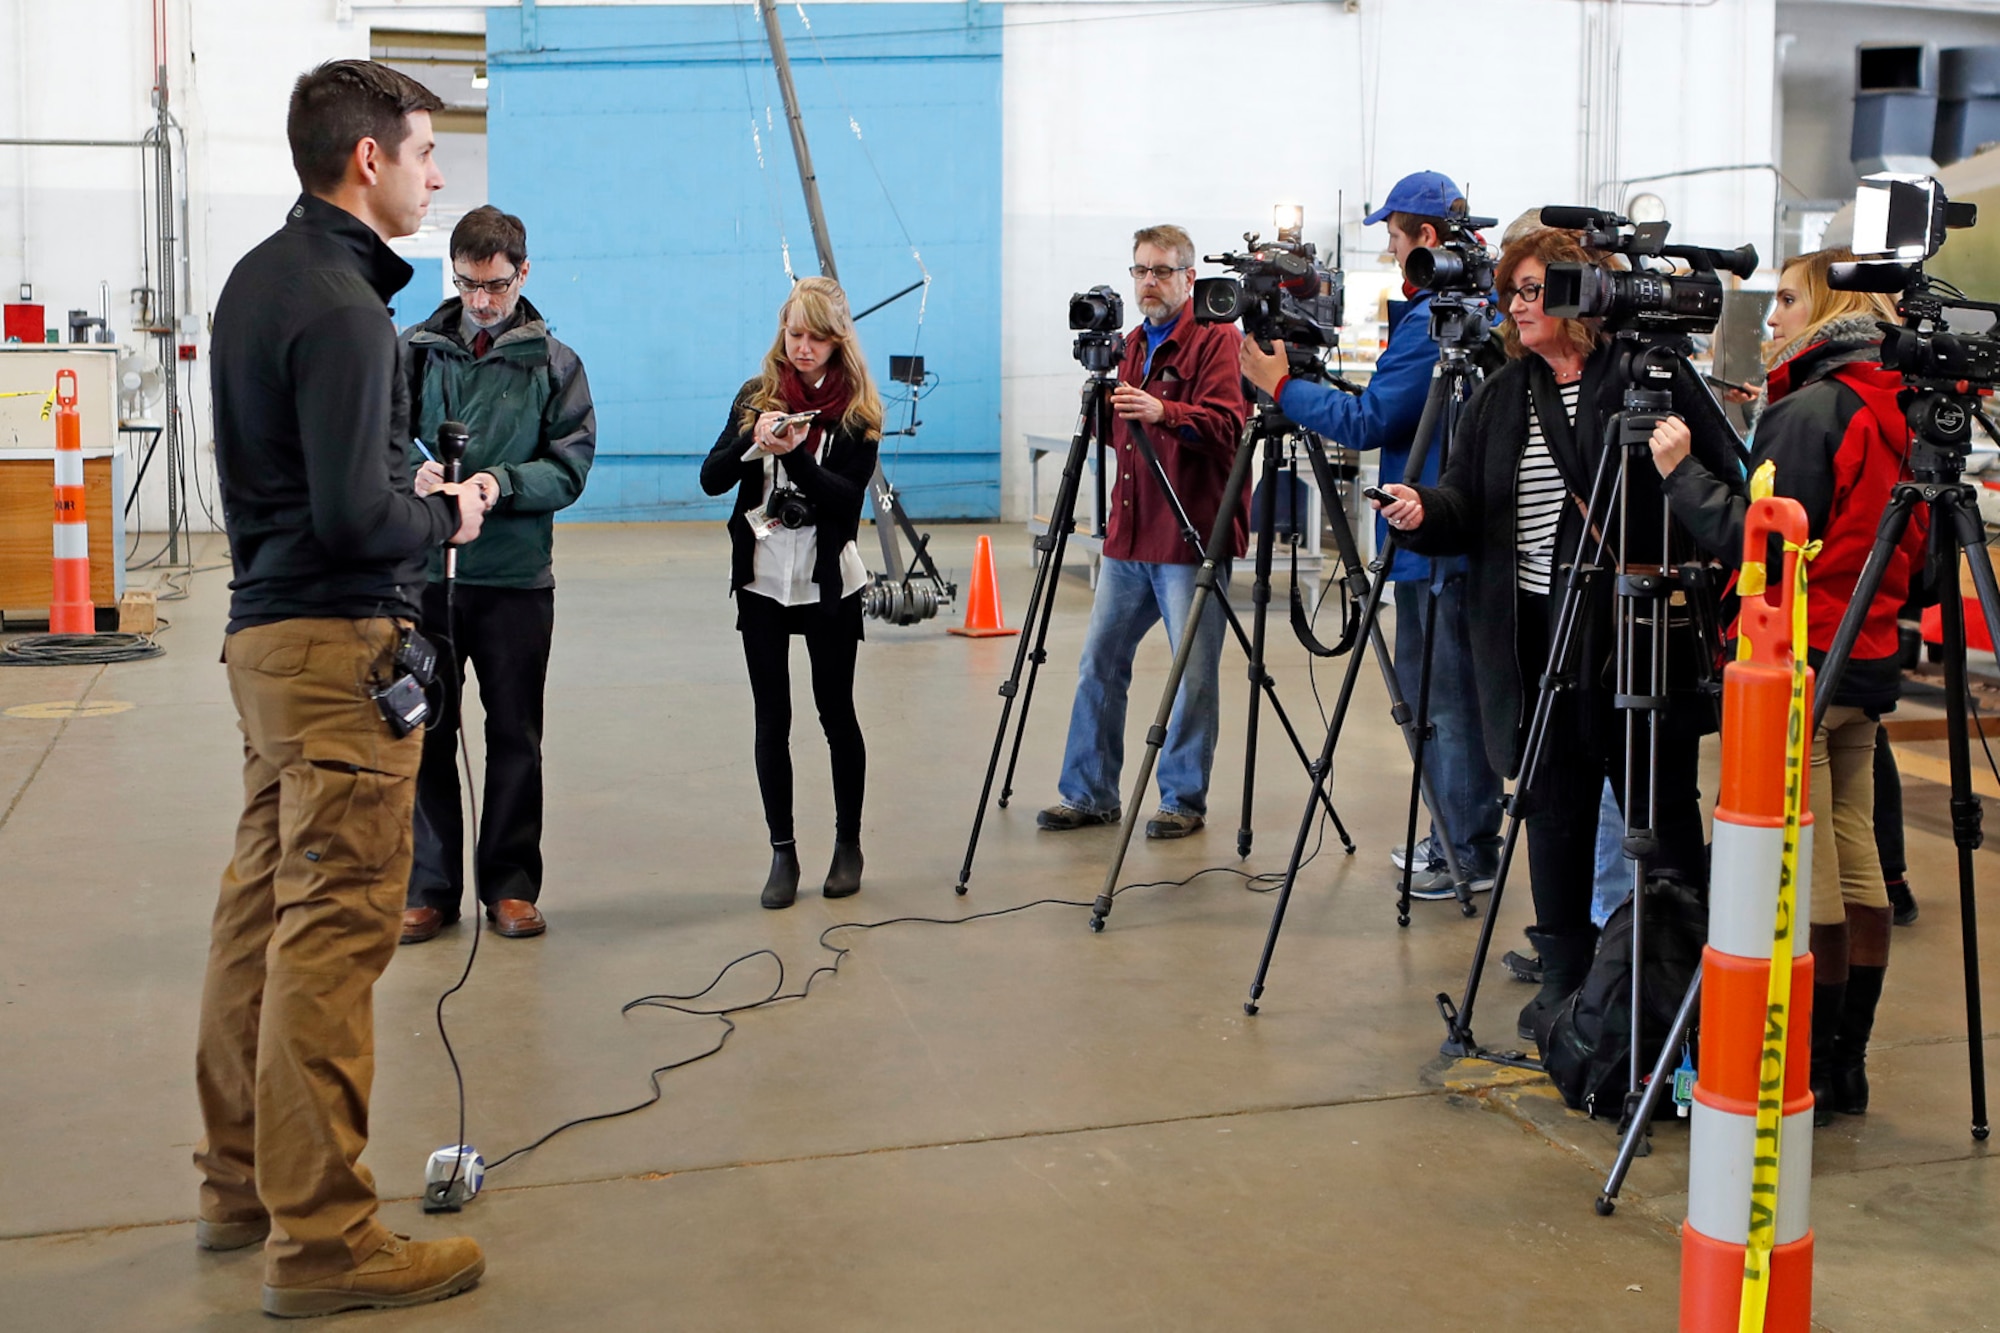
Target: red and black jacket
[[1840, 444]]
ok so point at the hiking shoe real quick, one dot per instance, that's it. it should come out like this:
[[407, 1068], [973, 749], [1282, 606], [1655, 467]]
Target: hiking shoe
[[1060, 818], [1172, 824], [1903, 902], [403, 1272], [1429, 855]]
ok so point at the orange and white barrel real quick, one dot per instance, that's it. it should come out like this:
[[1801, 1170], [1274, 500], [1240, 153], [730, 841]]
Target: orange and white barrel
[[1738, 1188], [70, 610]]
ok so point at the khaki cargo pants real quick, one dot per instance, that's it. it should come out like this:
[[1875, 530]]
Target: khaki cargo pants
[[308, 918]]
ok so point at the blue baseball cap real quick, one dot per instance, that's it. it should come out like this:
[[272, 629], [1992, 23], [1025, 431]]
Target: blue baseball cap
[[1430, 194]]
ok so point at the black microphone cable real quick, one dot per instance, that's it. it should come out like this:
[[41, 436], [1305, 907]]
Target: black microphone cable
[[451, 442]]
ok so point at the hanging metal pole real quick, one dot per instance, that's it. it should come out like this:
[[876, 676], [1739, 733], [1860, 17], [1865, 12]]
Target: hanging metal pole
[[821, 241]]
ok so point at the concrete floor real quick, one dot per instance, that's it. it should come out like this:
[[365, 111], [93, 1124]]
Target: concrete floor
[[1013, 1124]]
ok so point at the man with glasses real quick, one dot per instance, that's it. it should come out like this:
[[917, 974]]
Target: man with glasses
[[487, 359], [1179, 384], [1385, 417]]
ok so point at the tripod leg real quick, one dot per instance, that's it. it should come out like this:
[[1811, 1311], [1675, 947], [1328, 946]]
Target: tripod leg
[[1269, 479], [1642, 1116], [1888, 536], [1041, 606], [1964, 534], [1156, 735], [1565, 642], [1096, 418]]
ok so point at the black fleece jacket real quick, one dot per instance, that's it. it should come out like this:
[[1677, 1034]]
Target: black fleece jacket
[[311, 424], [1471, 512], [835, 487]]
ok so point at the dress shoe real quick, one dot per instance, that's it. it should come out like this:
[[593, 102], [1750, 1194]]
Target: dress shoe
[[231, 1235], [843, 877], [781, 889], [422, 923], [403, 1272], [516, 918]]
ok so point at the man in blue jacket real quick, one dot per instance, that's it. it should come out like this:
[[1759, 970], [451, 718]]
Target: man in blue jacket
[[1385, 417]]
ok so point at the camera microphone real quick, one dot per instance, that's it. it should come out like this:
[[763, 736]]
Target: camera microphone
[[451, 441], [1573, 217]]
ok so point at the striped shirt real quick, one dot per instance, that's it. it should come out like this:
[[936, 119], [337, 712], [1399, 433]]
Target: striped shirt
[[1539, 492]]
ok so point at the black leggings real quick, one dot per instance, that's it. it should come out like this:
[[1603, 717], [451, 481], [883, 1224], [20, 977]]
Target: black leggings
[[832, 635]]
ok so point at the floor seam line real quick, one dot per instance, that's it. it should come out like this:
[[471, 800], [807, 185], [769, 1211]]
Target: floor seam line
[[62, 729]]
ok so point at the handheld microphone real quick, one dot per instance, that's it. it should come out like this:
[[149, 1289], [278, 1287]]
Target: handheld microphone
[[451, 440]]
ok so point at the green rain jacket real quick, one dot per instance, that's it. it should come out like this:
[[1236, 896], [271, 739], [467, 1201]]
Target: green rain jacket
[[526, 405]]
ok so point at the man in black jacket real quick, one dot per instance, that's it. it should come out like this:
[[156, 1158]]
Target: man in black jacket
[[329, 544]]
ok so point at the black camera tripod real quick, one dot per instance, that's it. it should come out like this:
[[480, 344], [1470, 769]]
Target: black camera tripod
[[1644, 608], [1100, 354], [1272, 433], [1458, 327]]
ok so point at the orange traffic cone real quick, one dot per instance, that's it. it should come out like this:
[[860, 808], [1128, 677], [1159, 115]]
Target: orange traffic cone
[[70, 611], [982, 604]]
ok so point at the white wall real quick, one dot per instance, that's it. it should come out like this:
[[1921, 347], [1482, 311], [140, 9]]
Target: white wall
[[1206, 118], [83, 69], [1116, 115]]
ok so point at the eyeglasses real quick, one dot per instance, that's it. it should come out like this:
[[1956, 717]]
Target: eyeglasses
[[1159, 271], [494, 287], [1531, 292]]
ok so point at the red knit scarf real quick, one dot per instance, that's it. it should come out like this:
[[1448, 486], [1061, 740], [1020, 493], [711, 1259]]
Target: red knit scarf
[[828, 401]]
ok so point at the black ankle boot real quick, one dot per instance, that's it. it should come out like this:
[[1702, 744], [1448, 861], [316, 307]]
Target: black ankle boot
[[843, 877], [1828, 1001], [782, 888], [1849, 1081], [1566, 962]]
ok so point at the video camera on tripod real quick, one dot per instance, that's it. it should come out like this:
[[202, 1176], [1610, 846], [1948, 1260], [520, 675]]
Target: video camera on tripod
[[1284, 293], [1651, 297], [1899, 222]]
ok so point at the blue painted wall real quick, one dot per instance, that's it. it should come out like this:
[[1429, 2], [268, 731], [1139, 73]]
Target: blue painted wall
[[419, 296], [622, 136]]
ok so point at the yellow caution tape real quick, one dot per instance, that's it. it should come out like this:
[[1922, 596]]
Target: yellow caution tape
[[1778, 999], [1752, 579], [48, 403]]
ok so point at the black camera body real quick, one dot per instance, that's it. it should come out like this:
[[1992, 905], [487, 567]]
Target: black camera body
[[1651, 297], [789, 506], [1098, 316], [1283, 293], [1459, 263]]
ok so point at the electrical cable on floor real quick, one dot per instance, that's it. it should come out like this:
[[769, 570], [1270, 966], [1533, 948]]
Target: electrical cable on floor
[[78, 649], [1256, 883]]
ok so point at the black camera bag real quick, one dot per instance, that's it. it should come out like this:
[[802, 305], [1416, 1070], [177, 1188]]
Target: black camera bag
[[1589, 1042]]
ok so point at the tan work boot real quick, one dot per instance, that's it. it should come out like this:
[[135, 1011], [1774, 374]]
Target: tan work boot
[[403, 1272]]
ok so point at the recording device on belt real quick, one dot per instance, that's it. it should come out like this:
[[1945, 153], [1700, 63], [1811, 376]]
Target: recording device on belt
[[403, 701]]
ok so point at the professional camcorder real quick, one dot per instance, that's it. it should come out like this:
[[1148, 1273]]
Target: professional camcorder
[[1460, 262], [1651, 297], [1899, 222], [1284, 293]]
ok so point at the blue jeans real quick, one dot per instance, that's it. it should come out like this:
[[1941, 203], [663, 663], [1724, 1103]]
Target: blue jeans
[[1462, 782], [1132, 597], [1613, 882]]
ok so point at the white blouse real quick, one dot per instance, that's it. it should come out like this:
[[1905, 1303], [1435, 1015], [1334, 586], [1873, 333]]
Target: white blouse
[[782, 568]]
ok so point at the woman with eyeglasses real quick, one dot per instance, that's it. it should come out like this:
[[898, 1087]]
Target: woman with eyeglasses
[[1839, 445], [799, 446], [1513, 498]]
